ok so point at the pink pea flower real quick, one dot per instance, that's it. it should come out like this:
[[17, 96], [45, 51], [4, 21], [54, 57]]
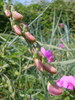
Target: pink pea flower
[[61, 45], [67, 82], [48, 54], [61, 25]]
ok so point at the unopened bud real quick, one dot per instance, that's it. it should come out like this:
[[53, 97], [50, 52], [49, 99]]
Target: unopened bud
[[54, 90], [7, 13], [50, 69], [30, 37], [25, 26], [17, 29], [61, 25], [16, 15], [39, 64]]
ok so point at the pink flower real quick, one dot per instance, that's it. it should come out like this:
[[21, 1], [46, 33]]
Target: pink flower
[[54, 90], [61, 25], [66, 82], [61, 45], [48, 54]]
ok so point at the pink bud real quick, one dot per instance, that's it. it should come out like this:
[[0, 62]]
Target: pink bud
[[30, 37], [61, 46], [7, 13], [16, 15], [38, 64], [50, 69], [61, 25], [54, 90], [25, 26], [17, 29]]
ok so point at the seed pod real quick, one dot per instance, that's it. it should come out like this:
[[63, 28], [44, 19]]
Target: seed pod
[[54, 90], [16, 15], [30, 37], [17, 29], [7, 13], [39, 64], [50, 69]]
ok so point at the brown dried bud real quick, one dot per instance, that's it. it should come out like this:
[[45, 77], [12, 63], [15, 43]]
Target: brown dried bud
[[16, 15], [7, 13], [17, 29], [54, 90], [50, 69], [30, 37], [39, 64]]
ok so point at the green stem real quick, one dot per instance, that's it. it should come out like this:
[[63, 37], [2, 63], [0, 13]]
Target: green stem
[[43, 83]]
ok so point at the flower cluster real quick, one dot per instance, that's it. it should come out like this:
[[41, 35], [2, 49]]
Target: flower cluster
[[23, 30]]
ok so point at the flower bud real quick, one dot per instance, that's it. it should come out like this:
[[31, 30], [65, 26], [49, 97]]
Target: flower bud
[[50, 69], [16, 15], [25, 26], [39, 64], [61, 45], [17, 29], [54, 90], [61, 25], [30, 37], [7, 13]]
